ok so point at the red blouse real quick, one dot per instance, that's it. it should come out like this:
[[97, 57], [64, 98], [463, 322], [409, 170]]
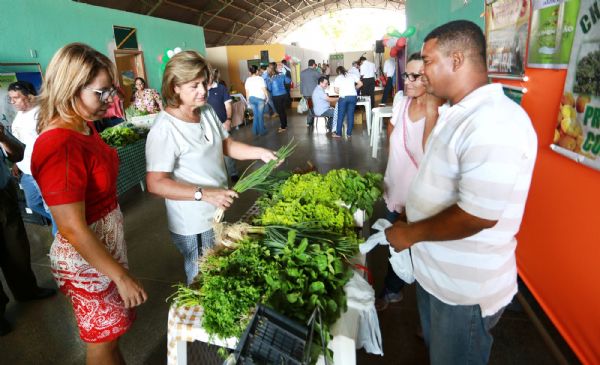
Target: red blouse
[[71, 167]]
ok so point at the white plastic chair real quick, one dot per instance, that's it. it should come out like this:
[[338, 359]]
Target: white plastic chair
[[378, 115]]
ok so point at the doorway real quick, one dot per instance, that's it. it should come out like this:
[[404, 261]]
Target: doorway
[[130, 64]]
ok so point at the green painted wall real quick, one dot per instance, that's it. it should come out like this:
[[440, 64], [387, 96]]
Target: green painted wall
[[47, 25], [425, 15]]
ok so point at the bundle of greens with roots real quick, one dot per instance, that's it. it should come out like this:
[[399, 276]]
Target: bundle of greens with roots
[[291, 269], [257, 178]]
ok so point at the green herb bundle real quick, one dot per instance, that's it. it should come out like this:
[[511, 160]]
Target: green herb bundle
[[258, 176]]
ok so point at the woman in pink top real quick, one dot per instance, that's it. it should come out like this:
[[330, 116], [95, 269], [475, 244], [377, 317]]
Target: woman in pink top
[[409, 131]]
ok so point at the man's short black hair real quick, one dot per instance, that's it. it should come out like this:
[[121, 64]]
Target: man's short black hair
[[362, 58], [284, 62], [460, 34], [311, 63], [25, 87], [321, 79]]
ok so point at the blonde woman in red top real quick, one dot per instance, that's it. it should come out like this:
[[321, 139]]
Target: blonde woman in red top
[[77, 173]]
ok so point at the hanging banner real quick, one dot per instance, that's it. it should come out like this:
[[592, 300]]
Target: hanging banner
[[553, 26], [577, 133], [506, 25]]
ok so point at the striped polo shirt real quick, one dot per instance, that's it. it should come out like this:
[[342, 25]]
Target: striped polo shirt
[[479, 156]]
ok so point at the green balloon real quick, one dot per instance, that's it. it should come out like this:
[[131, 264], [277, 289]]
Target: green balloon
[[410, 31], [395, 34]]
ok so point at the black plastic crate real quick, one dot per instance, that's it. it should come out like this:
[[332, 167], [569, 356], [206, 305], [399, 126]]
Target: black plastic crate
[[272, 338]]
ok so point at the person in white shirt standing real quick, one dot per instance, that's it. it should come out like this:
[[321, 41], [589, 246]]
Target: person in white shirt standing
[[184, 157], [367, 74], [21, 95], [466, 202], [389, 69]]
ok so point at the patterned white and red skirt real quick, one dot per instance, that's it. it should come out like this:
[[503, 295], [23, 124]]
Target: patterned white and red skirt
[[100, 311]]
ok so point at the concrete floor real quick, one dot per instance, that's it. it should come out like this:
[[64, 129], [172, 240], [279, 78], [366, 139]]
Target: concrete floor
[[45, 332]]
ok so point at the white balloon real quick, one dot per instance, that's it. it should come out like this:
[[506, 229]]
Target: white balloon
[[177, 50], [170, 53]]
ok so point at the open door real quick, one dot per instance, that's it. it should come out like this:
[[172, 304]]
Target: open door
[[130, 64]]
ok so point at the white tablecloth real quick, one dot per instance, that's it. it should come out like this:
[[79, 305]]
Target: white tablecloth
[[185, 325]]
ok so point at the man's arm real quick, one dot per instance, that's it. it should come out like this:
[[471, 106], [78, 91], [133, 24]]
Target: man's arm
[[452, 223], [13, 148]]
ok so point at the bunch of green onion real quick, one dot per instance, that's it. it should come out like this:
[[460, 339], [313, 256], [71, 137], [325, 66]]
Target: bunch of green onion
[[258, 176]]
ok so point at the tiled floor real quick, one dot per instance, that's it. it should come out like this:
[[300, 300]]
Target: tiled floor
[[45, 331]]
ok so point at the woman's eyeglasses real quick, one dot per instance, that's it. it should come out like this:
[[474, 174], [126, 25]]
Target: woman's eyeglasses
[[411, 77], [104, 94]]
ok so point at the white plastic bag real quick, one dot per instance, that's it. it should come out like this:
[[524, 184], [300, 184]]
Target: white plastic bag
[[361, 296], [400, 261], [302, 106]]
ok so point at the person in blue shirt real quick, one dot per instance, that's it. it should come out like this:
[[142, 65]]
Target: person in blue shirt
[[220, 100], [267, 72], [280, 97], [322, 102], [14, 245]]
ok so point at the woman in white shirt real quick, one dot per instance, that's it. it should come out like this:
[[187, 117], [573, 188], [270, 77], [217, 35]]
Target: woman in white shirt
[[184, 157], [258, 96], [345, 85]]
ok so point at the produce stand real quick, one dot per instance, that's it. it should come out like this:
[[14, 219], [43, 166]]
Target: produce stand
[[299, 253], [132, 166], [185, 325]]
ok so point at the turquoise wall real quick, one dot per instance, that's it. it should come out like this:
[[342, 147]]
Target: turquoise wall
[[47, 25], [425, 15]]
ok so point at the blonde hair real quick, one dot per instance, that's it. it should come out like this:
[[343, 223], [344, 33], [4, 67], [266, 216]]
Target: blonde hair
[[72, 67], [184, 67]]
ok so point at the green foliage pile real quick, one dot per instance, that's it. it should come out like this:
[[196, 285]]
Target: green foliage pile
[[296, 262], [119, 136]]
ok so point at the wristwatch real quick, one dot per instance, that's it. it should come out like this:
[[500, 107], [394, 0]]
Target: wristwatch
[[198, 194]]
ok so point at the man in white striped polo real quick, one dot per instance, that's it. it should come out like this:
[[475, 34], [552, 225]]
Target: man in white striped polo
[[466, 202]]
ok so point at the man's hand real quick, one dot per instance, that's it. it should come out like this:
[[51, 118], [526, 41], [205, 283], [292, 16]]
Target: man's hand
[[398, 236]]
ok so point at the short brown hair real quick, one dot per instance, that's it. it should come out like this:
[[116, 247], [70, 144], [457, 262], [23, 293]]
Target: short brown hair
[[72, 67], [184, 67]]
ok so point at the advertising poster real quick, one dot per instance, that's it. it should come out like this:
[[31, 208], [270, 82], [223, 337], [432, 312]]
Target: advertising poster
[[506, 25], [514, 95], [577, 133], [7, 112], [553, 26]]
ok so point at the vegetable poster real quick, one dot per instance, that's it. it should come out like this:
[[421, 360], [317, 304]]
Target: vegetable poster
[[553, 26], [506, 25], [577, 133]]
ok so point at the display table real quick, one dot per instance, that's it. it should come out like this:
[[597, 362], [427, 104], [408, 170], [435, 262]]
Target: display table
[[185, 325], [132, 166]]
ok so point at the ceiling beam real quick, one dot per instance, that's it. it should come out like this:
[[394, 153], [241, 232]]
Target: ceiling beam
[[156, 6], [255, 16], [225, 6], [228, 33]]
